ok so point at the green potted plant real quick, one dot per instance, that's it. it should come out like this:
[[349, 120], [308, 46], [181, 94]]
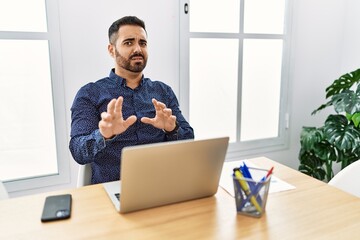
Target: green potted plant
[[338, 140]]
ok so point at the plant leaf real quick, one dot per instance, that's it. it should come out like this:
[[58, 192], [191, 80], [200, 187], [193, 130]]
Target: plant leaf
[[311, 165], [341, 134], [329, 103], [343, 83], [325, 151], [347, 157], [347, 101], [310, 136], [356, 119]]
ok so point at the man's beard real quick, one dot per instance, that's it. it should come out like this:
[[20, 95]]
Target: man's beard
[[126, 63]]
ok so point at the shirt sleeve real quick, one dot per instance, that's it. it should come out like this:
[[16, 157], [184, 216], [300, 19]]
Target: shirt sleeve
[[86, 140], [85, 148]]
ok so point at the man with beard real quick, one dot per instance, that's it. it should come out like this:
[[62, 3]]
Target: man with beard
[[125, 108]]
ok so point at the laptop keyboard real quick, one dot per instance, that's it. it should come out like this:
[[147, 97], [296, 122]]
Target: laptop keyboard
[[117, 195]]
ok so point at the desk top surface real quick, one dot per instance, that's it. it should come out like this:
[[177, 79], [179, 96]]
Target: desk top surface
[[314, 210]]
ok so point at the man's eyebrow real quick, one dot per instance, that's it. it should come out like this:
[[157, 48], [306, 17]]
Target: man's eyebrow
[[133, 39], [128, 39]]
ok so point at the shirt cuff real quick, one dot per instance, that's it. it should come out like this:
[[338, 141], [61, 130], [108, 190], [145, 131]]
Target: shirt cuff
[[100, 140]]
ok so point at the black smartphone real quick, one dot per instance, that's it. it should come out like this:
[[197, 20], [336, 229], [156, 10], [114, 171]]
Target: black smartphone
[[56, 207]]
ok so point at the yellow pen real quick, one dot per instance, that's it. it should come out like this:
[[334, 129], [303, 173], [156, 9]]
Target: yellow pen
[[246, 189]]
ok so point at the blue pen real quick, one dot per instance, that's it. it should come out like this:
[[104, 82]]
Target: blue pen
[[258, 186], [246, 173], [255, 188]]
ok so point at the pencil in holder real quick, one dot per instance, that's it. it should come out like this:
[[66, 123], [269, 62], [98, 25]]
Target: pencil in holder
[[251, 193]]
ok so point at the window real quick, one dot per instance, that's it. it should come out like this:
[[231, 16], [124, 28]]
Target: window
[[234, 71], [33, 146]]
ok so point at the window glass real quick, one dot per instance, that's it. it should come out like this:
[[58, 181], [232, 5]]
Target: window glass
[[261, 83], [33, 146], [214, 16], [264, 16], [213, 87], [233, 82], [23, 15], [27, 139]]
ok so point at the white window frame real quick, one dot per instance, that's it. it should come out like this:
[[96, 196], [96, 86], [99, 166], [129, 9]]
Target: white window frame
[[240, 149], [58, 93]]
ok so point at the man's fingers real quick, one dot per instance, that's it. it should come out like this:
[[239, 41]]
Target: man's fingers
[[111, 106], [118, 105], [129, 121], [158, 105], [167, 111], [173, 118], [104, 124], [105, 116], [147, 120]]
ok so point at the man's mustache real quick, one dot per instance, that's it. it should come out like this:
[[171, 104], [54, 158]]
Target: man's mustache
[[137, 55]]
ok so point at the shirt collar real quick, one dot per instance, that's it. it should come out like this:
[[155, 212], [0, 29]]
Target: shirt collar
[[121, 81]]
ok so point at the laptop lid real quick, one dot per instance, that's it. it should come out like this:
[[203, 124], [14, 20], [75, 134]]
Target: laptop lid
[[163, 173]]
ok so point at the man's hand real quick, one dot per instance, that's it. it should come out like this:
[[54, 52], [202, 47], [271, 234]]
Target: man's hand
[[112, 122], [163, 118]]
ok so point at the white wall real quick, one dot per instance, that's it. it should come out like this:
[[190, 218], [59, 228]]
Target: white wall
[[351, 38], [326, 36], [325, 45], [317, 59], [84, 36]]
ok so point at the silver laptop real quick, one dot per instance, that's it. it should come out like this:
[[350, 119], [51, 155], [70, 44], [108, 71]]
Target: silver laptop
[[158, 174]]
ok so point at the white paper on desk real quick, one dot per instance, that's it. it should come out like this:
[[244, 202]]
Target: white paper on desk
[[226, 182]]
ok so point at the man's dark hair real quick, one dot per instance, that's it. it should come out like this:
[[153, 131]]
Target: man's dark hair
[[127, 20]]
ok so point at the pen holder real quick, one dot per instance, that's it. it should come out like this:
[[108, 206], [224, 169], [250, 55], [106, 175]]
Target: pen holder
[[251, 194]]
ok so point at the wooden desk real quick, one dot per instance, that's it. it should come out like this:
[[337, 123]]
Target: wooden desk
[[313, 210]]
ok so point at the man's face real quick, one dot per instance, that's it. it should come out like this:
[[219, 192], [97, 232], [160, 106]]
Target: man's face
[[130, 49]]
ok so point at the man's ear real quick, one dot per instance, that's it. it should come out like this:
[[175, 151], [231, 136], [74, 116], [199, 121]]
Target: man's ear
[[111, 50]]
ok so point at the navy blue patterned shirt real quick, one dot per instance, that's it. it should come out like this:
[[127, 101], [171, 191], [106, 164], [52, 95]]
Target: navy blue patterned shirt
[[87, 144]]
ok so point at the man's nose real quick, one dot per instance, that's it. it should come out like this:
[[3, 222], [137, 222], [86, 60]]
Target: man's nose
[[137, 48]]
